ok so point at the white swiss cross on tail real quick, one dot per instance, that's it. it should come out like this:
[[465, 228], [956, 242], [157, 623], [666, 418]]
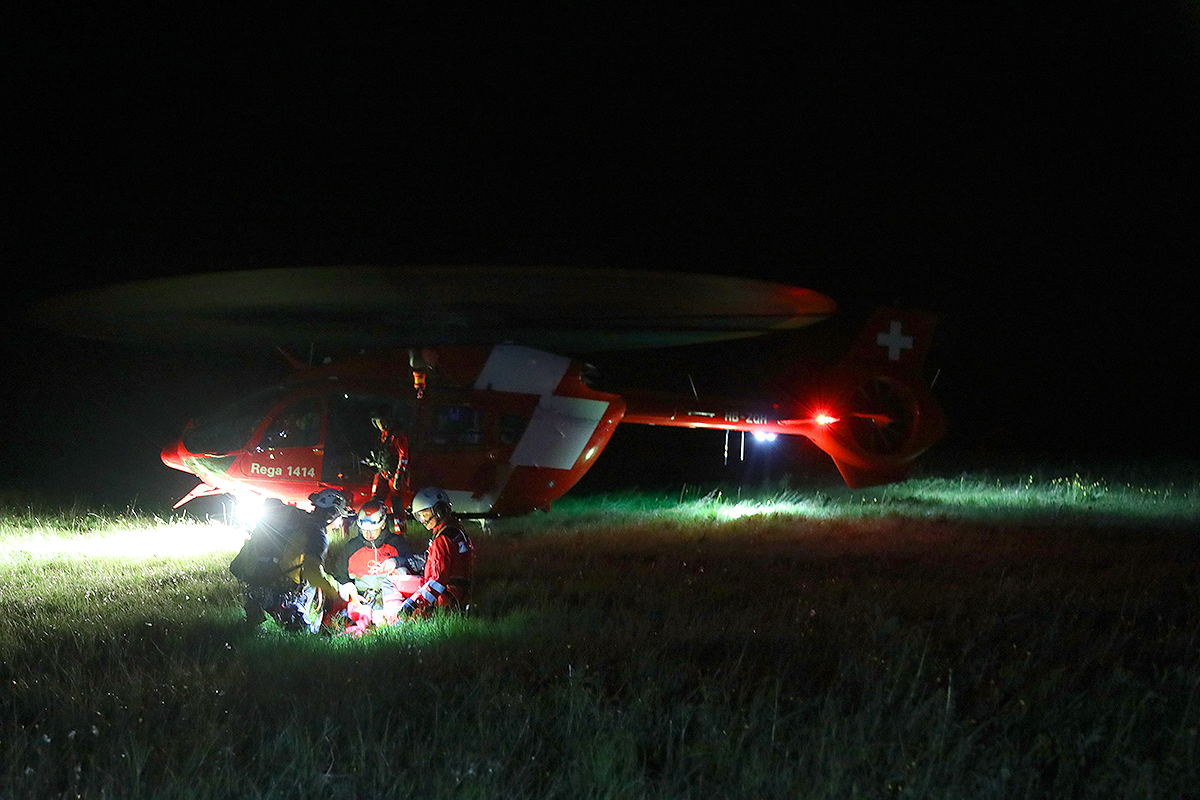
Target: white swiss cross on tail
[[894, 340]]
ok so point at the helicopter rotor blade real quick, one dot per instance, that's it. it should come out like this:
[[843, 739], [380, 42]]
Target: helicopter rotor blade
[[568, 309]]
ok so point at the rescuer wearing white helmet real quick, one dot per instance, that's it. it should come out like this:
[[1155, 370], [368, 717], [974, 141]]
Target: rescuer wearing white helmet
[[449, 561], [375, 553]]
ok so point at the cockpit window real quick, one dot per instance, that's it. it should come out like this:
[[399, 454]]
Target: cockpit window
[[298, 426], [231, 428]]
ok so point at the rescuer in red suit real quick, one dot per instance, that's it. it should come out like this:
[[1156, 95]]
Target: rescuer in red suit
[[390, 485], [369, 560], [375, 552], [449, 561]]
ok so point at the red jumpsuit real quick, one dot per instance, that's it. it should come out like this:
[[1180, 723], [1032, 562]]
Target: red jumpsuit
[[391, 486], [449, 566]]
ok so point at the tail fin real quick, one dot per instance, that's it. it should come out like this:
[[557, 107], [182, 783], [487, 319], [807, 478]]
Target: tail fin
[[895, 340], [885, 415]]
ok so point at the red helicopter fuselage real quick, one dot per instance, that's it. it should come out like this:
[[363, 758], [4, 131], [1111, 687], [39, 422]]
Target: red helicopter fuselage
[[504, 430], [509, 429]]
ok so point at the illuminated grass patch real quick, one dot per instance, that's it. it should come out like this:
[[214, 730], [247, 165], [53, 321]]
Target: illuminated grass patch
[[1071, 493], [968, 637], [1001, 499]]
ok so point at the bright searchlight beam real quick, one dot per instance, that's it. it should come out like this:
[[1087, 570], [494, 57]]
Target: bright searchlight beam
[[145, 539], [247, 509]]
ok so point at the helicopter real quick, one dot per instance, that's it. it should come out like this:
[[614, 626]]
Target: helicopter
[[476, 367]]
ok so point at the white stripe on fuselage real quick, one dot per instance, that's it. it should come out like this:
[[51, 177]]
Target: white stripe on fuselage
[[558, 432], [512, 368], [560, 427]]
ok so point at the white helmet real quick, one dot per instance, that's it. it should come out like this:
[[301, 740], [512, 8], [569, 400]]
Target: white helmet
[[429, 497], [371, 516]]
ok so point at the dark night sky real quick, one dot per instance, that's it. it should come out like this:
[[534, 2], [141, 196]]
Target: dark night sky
[[1032, 176]]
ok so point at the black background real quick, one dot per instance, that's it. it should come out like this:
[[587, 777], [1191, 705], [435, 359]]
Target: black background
[[1030, 175]]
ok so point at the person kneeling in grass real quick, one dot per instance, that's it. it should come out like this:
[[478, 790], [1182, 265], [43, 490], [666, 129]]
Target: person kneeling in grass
[[449, 561], [370, 560], [281, 565]]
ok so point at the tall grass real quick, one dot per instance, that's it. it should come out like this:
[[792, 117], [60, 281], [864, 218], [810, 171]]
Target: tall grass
[[910, 641], [1032, 496]]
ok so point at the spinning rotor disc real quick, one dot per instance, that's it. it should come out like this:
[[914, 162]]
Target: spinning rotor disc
[[556, 308]]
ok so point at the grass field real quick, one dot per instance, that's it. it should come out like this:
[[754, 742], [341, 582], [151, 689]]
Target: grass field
[[965, 637]]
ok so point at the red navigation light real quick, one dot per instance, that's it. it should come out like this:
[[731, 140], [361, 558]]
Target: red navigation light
[[822, 418]]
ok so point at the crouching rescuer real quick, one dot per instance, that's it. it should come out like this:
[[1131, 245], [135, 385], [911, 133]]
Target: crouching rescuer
[[381, 564], [449, 561], [281, 564]]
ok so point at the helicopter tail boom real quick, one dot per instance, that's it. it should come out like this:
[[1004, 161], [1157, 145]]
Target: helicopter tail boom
[[872, 414]]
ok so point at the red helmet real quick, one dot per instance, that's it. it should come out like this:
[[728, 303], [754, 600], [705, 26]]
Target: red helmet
[[371, 516]]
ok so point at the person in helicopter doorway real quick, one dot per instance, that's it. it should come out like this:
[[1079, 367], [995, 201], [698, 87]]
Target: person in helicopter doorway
[[449, 560], [390, 485], [370, 558], [281, 565]]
